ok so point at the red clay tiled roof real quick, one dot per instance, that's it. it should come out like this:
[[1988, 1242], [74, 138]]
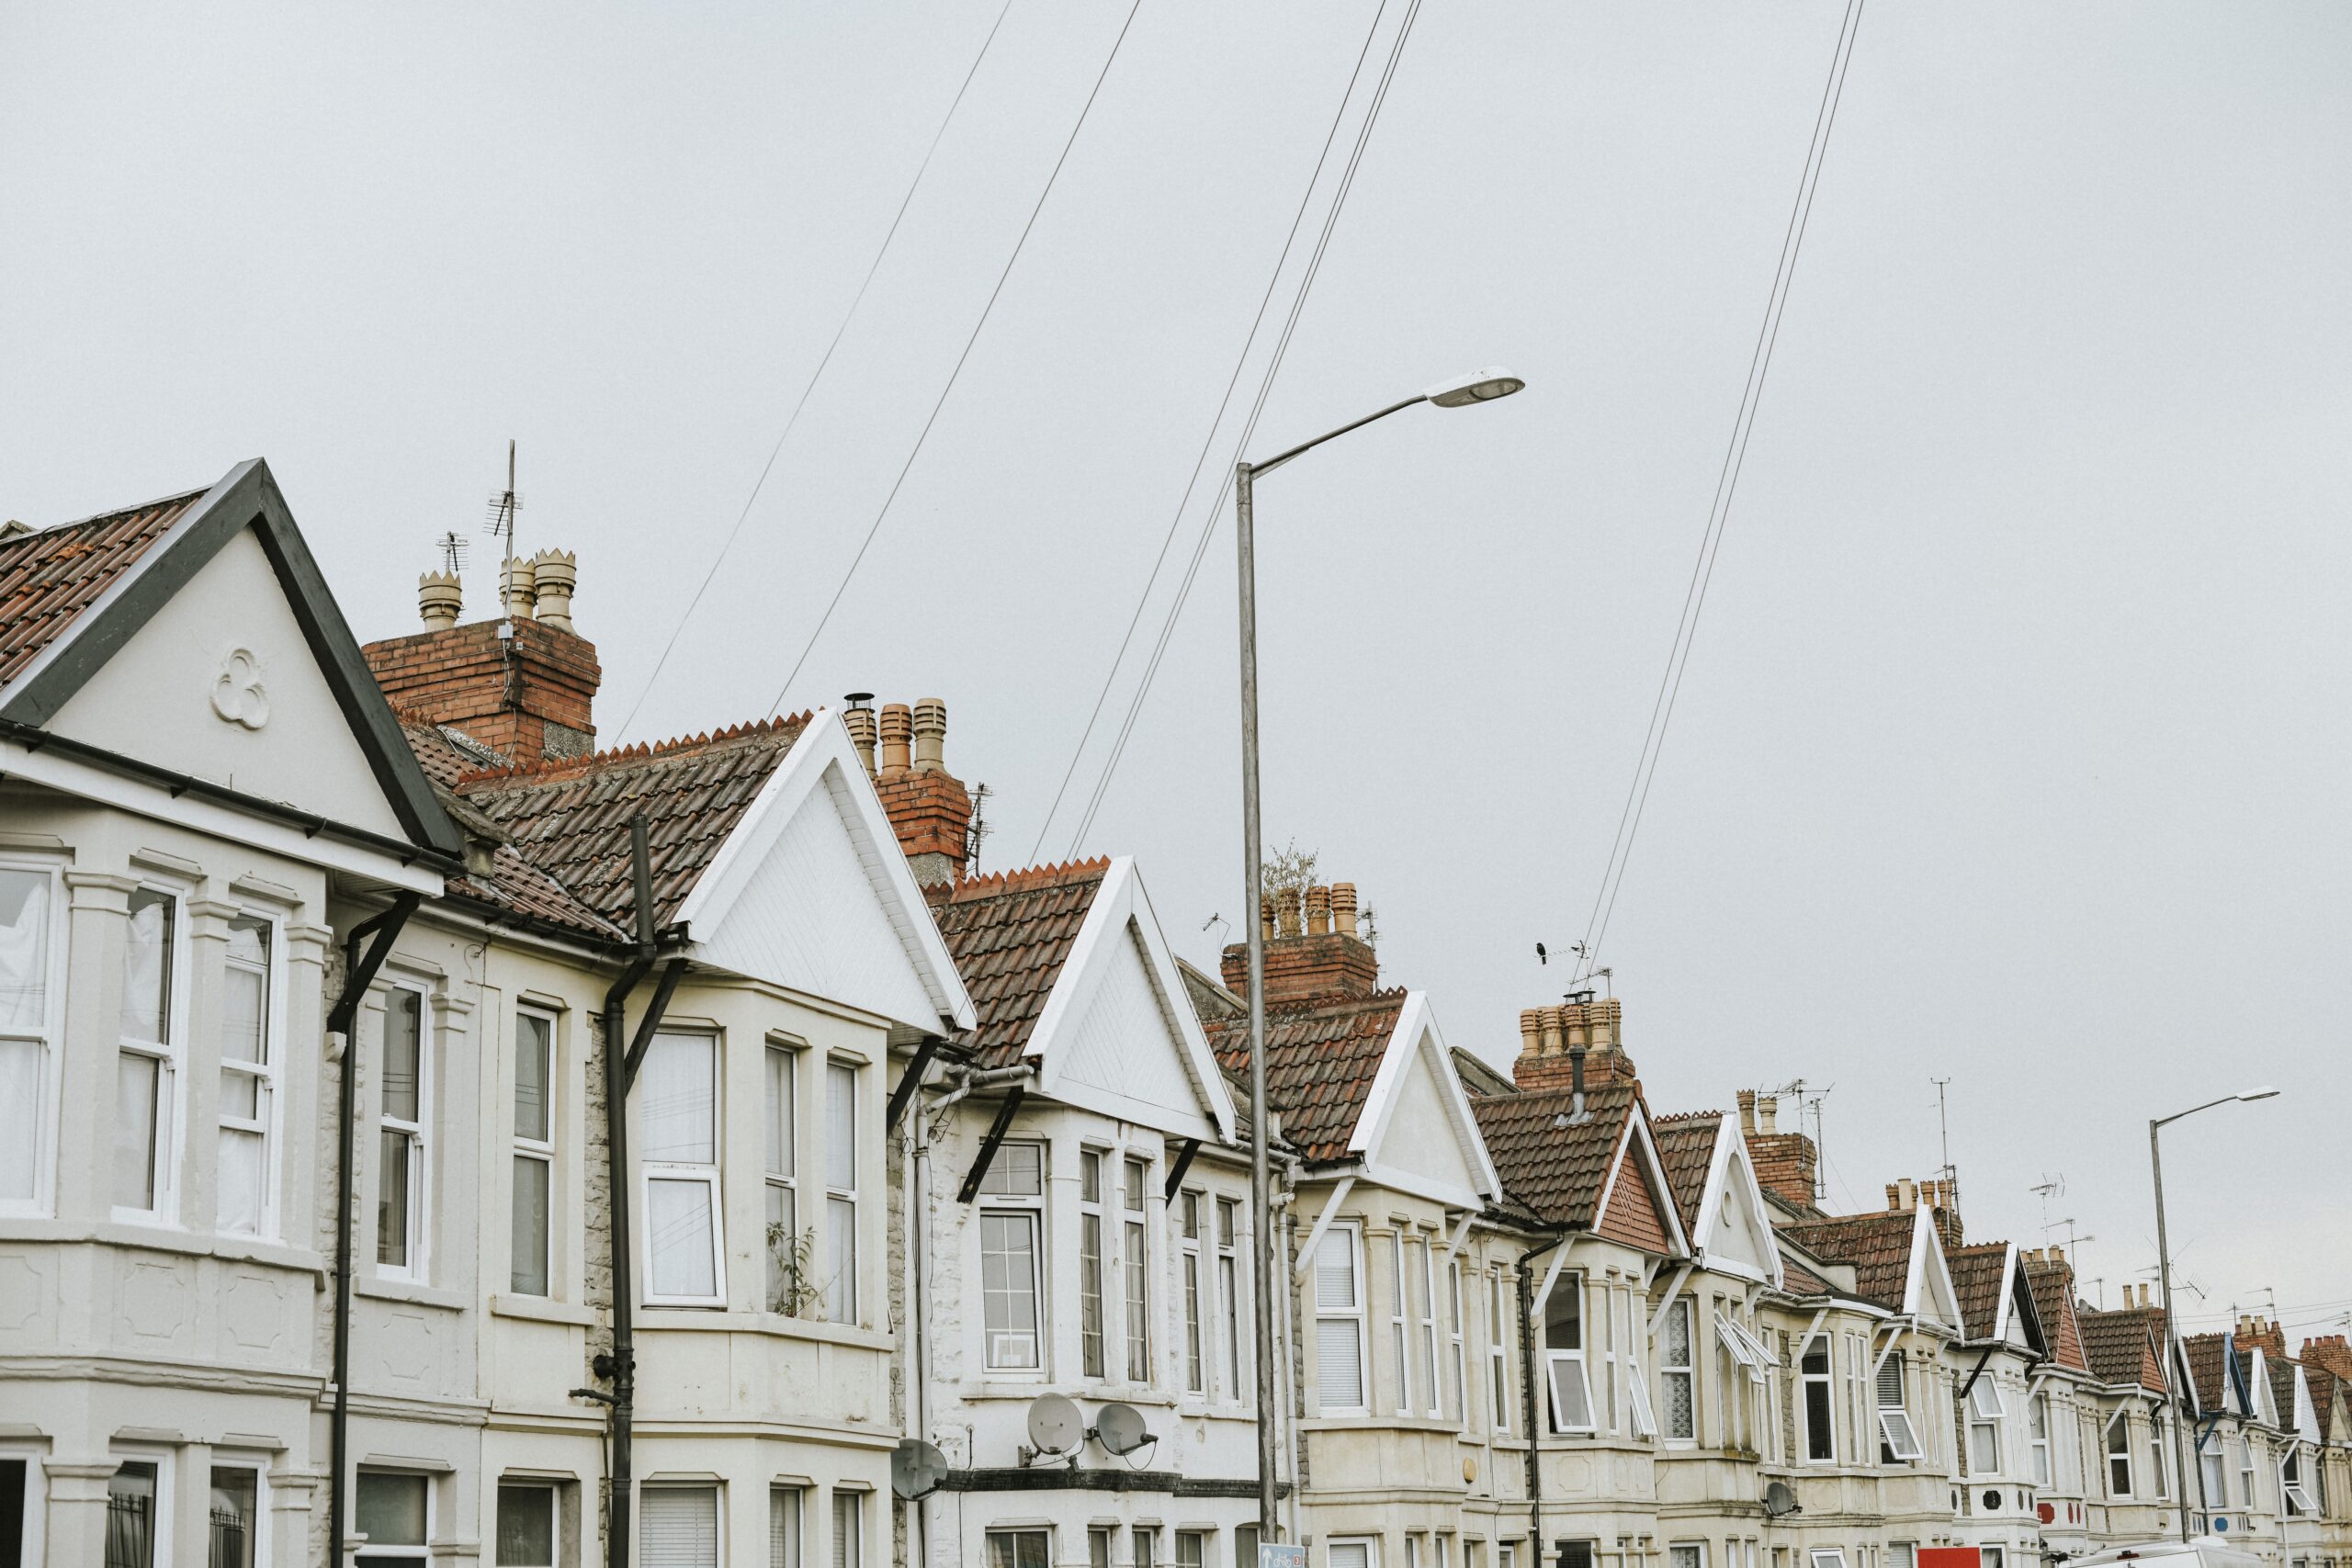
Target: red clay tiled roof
[[2282, 1387], [447, 754], [1686, 1146], [1009, 934], [1799, 1280], [2208, 1355], [1877, 1245], [516, 886], [1321, 1056], [2121, 1346], [1557, 1171], [570, 819], [51, 575], [2052, 1285], [1979, 1275]]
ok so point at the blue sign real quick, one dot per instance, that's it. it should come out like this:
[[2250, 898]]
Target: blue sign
[[1272, 1554], [2221, 1527]]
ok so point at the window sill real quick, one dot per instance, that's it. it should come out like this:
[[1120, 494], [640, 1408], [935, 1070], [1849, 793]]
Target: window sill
[[541, 1309], [715, 1320], [1027, 1388], [162, 1238], [411, 1290]]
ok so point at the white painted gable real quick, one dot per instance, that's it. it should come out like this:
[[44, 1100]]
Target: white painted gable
[[222, 683], [811, 892], [1733, 1231], [1416, 1133], [1929, 1290], [1117, 1034]]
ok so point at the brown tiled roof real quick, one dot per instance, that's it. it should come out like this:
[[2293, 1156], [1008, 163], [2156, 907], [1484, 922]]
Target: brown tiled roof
[[2052, 1285], [571, 818], [447, 754], [1686, 1146], [1800, 1279], [2208, 1357], [1877, 1245], [2282, 1387], [515, 885], [1009, 934], [1321, 1056], [1979, 1274], [1558, 1172], [50, 576], [2121, 1346]]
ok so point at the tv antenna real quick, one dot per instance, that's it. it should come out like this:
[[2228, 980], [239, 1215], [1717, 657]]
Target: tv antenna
[[980, 829], [504, 505], [453, 547], [2050, 1186]]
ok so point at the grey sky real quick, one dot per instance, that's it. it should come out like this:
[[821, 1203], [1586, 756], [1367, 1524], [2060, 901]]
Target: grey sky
[[2013, 749]]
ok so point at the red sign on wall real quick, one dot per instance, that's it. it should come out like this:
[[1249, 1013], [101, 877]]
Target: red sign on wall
[[1950, 1557]]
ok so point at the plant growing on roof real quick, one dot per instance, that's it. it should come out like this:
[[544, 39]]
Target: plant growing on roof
[[1288, 867]]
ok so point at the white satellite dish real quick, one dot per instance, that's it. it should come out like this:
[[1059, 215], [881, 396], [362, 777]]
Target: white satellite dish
[[916, 1469], [1056, 1427], [1120, 1428]]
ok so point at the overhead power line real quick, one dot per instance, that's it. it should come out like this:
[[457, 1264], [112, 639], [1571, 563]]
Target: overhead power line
[[815, 376], [1703, 570], [1216, 421], [977, 327], [1265, 388]]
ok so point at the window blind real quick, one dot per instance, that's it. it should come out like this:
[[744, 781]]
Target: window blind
[[678, 1527]]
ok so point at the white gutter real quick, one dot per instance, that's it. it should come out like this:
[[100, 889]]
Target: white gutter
[[1323, 1223]]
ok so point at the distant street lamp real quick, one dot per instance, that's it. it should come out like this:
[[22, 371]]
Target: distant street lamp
[[2163, 1272], [1463, 392]]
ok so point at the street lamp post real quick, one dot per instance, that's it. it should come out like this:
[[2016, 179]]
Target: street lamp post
[[2163, 1275], [1486, 386]]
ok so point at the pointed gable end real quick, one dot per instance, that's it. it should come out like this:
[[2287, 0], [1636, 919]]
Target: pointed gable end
[[1118, 1033], [1731, 1232], [1636, 1206], [191, 651], [1417, 1133], [810, 891]]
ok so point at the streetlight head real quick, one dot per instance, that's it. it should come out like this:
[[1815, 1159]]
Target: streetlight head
[[2265, 1092], [1478, 386]]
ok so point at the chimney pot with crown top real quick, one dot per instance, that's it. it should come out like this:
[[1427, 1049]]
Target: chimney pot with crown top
[[517, 592], [931, 736], [440, 599], [554, 575], [1768, 1114], [1266, 919], [1343, 908], [898, 734], [1748, 1110]]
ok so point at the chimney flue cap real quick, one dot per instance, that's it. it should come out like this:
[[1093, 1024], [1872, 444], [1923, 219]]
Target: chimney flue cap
[[931, 736], [440, 599]]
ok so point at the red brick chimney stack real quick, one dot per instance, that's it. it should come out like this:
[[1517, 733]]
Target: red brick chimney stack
[[1319, 957], [927, 805], [1787, 1164], [1596, 1028]]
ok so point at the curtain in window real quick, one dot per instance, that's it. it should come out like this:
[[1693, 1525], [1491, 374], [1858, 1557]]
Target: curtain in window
[[1339, 1340], [679, 1242], [130, 1518], [24, 948], [784, 1527], [676, 1096]]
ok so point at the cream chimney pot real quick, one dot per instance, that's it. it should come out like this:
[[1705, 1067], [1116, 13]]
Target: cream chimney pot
[[1318, 911], [1287, 912], [1748, 1110], [1266, 918], [897, 731], [859, 722], [931, 736], [1531, 1028], [1908, 1193], [1768, 1113], [554, 575], [440, 599], [518, 591], [1343, 908]]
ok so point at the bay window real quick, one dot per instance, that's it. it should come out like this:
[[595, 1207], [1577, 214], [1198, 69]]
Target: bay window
[[2038, 1438], [1188, 1206], [394, 1511], [840, 1191], [678, 1100], [1089, 1263], [1899, 1441], [1564, 1356], [787, 1266], [234, 1521], [532, 1168], [678, 1526], [1228, 1290], [1678, 1378], [403, 1100], [2159, 1477], [1012, 1223], [783, 1526], [2211, 1473], [2290, 1484], [1400, 1342], [248, 1077], [147, 1063], [137, 1514], [29, 906], [1457, 1392], [1499, 1329], [526, 1524], [2118, 1454], [1339, 1323], [1421, 1281], [849, 1511], [1984, 1427], [1136, 1259], [1820, 1417]]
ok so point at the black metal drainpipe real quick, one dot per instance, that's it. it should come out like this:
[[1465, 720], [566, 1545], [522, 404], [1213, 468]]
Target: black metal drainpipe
[[359, 974], [1527, 1391]]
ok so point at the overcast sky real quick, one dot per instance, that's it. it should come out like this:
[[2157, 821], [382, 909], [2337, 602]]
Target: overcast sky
[[2013, 749]]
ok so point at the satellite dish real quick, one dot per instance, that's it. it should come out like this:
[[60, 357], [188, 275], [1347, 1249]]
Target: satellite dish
[[1120, 1428], [916, 1469], [1055, 1425], [1780, 1500]]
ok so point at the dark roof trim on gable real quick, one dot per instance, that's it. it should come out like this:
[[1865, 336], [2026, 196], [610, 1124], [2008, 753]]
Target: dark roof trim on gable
[[247, 496]]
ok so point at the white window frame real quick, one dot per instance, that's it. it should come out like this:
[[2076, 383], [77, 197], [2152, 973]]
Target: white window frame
[[1745, 1348], [1682, 1310], [2037, 1435], [1399, 1337], [2213, 1472], [989, 1535], [1556, 1358], [1368, 1544], [2245, 1471], [170, 1054], [266, 1075], [690, 1173], [1457, 1348], [166, 1516], [1987, 1412], [1697, 1550], [844, 1209], [1095, 1261], [1192, 1219], [524, 1148], [780, 1173], [1827, 1556], [35, 1500], [1348, 1235], [796, 1533], [1135, 1268], [996, 1201], [1229, 1224], [408, 1553], [845, 1529], [38, 1136], [1420, 1257], [1806, 1379], [2121, 1422], [715, 1491], [2295, 1502], [554, 1491], [418, 1134], [1895, 1431], [2156, 1465], [1639, 1415], [1499, 1356]]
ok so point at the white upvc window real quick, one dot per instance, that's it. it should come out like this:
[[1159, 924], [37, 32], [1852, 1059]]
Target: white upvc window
[[849, 1528], [788, 1264], [1499, 1320], [140, 1523], [530, 1534], [1678, 1374], [1820, 1408], [2038, 1438], [2159, 1474], [1898, 1441], [1399, 1341], [151, 1047], [678, 1172], [2246, 1472], [677, 1526], [1563, 1357], [1422, 1276], [246, 1186], [403, 1135], [31, 985], [531, 1165], [1643, 1419], [2212, 1472], [1229, 1290], [1090, 1300], [2290, 1484], [1189, 1223], [1984, 1418], [783, 1526], [1457, 1393], [1339, 1376], [2118, 1454], [237, 1504], [394, 1508], [841, 1207], [1134, 1257], [1360, 1551], [1011, 1203], [1828, 1557], [1020, 1548]]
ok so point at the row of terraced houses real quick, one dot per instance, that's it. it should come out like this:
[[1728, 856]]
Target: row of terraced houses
[[475, 1186]]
